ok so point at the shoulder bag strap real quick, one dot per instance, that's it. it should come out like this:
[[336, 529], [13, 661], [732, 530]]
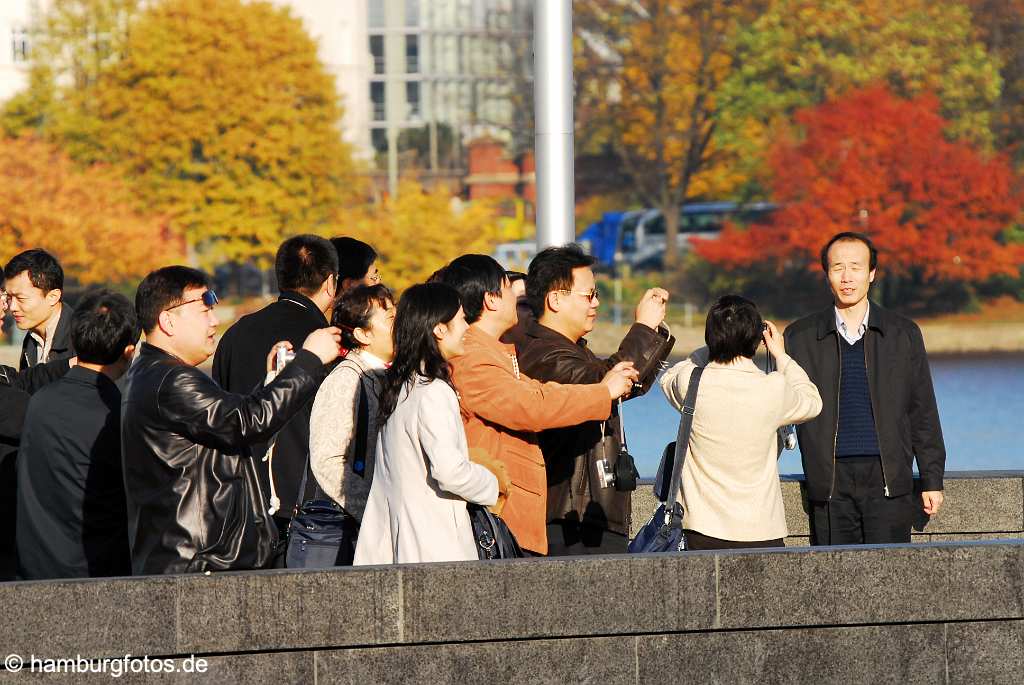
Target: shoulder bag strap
[[362, 428], [683, 438]]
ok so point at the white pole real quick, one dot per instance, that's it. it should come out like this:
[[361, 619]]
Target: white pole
[[553, 90]]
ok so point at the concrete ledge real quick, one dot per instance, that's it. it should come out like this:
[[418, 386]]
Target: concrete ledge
[[978, 506], [932, 612]]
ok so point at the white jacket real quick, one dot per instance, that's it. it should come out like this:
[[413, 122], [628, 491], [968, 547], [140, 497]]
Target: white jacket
[[421, 483], [731, 485]]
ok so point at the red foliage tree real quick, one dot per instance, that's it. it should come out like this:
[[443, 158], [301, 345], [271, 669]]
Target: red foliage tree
[[875, 163]]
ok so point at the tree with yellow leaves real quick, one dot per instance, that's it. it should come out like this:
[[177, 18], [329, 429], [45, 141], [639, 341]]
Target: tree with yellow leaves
[[421, 230], [221, 116], [87, 218], [649, 72]]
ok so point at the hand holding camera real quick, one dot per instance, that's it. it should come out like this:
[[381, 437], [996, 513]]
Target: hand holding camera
[[651, 310], [620, 379], [280, 354], [773, 340]]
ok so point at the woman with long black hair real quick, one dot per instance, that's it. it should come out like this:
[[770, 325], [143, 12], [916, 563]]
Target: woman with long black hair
[[423, 477]]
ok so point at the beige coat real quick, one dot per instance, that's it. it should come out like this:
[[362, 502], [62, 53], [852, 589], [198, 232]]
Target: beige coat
[[332, 430], [731, 485], [422, 480]]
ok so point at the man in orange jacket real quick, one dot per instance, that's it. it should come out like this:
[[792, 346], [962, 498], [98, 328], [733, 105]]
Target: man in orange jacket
[[502, 409]]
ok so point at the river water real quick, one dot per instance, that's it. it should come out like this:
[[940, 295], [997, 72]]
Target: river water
[[981, 407]]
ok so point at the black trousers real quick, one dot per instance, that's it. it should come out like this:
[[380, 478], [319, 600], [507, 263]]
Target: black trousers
[[859, 512], [697, 541], [571, 538]]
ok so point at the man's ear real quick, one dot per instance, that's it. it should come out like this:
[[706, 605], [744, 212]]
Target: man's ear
[[553, 301], [129, 352], [871, 276], [491, 302], [165, 322], [53, 296]]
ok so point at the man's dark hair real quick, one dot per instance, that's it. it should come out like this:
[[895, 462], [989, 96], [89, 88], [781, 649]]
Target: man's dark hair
[[44, 271], [849, 235], [103, 325], [304, 262], [473, 276], [165, 288], [355, 308], [354, 257], [733, 329], [551, 270]]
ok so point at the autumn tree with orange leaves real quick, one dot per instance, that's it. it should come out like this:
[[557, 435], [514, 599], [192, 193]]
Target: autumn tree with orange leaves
[[937, 210], [86, 217]]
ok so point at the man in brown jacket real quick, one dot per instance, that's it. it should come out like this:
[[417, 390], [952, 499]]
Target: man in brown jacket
[[503, 409], [584, 515]]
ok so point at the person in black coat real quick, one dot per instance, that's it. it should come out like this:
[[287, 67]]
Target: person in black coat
[[34, 282], [16, 388], [307, 275], [72, 521], [879, 412]]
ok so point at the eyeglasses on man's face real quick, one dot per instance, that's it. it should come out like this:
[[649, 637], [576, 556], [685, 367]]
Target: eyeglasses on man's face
[[591, 295], [208, 298]]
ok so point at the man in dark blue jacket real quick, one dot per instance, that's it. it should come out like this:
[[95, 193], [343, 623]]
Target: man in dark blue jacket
[[879, 412]]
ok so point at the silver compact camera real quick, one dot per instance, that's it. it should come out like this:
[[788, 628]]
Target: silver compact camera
[[284, 355], [605, 473]]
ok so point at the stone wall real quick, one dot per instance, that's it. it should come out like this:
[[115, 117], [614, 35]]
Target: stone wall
[[947, 611], [979, 505], [931, 613]]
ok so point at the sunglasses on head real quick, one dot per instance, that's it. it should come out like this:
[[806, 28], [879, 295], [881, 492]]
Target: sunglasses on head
[[209, 298]]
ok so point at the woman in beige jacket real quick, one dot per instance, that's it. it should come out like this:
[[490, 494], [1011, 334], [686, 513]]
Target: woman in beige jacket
[[365, 315], [731, 495]]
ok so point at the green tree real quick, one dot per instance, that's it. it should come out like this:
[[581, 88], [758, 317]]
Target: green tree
[[800, 53], [1000, 25]]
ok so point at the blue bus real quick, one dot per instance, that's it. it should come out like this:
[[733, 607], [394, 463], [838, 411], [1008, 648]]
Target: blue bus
[[638, 236]]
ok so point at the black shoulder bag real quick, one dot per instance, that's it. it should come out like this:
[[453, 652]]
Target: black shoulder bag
[[321, 534], [664, 531]]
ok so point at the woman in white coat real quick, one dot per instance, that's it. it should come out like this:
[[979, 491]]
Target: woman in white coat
[[423, 477]]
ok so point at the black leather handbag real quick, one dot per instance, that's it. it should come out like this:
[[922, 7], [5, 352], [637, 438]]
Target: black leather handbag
[[664, 531], [493, 538], [321, 534]]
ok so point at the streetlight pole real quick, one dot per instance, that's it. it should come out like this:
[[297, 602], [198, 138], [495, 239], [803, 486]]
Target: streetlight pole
[[553, 91]]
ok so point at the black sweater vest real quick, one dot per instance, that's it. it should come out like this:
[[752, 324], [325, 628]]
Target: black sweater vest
[[857, 435]]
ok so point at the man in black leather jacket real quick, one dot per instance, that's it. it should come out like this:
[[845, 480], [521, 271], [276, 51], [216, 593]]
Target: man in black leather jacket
[[583, 516], [194, 500]]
